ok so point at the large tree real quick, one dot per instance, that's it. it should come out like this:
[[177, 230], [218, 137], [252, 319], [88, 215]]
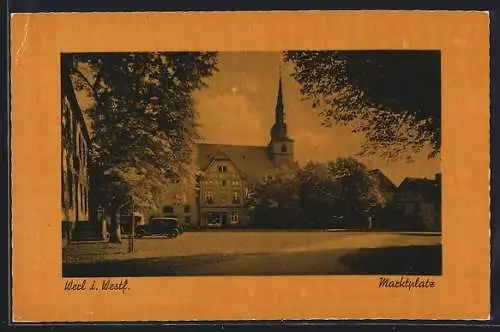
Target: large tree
[[316, 195], [320, 195], [360, 191], [143, 123], [273, 201], [392, 97]]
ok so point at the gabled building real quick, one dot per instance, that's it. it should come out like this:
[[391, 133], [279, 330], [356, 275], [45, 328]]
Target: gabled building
[[225, 174], [421, 198]]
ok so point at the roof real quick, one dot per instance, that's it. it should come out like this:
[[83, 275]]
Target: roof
[[252, 161], [428, 189], [384, 182]]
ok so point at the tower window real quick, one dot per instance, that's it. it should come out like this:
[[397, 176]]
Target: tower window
[[283, 148], [222, 169]]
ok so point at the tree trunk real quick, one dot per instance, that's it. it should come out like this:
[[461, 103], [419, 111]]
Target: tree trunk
[[115, 235]]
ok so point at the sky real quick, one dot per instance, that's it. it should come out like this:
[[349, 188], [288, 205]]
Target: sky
[[238, 108]]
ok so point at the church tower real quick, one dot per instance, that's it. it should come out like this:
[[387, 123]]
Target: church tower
[[280, 146]]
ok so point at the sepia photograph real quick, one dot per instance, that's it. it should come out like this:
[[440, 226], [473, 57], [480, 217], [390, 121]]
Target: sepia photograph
[[298, 162], [257, 172]]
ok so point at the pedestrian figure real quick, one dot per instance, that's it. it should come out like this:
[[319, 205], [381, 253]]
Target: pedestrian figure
[[370, 221]]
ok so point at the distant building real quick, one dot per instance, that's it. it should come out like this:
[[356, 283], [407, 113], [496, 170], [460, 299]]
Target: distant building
[[386, 186], [225, 174], [421, 198], [75, 141]]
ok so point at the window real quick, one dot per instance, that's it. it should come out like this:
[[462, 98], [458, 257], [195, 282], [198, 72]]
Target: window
[[222, 169], [209, 197], [168, 209], [80, 145], [283, 148], [81, 198], [84, 154], [223, 183], [410, 208], [70, 190], [85, 199], [63, 188], [234, 217], [187, 219], [187, 208], [235, 183], [236, 197], [77, 190]]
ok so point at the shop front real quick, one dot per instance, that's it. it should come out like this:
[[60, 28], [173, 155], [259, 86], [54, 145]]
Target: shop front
[[220, 218]]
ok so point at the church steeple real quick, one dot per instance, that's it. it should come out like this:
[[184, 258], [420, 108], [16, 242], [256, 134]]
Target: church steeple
[[280, 146], [280, 109], [279, 129]]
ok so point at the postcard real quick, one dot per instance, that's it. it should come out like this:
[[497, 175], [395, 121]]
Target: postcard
[[250, 166]]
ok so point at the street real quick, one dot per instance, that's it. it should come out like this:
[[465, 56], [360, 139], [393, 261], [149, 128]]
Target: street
[[260, 253]]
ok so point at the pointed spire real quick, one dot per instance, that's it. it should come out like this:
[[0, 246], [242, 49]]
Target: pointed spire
[[280, 109], [279, 129]]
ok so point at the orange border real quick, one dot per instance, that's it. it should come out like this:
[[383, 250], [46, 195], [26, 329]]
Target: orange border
[[37, 40]]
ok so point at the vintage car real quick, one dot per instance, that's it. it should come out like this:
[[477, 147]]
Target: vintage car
[[163, 226]]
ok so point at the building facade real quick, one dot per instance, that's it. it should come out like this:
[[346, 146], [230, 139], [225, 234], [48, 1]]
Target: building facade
[[421, 198], [225, 174], [75, 142], [181, 203]]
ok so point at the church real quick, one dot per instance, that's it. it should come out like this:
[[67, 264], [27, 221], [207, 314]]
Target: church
[[227, 171]]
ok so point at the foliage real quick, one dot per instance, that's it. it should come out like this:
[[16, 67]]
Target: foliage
[[144, 121], [392, 97], [273, 200], [319, 195], [360, 190]]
